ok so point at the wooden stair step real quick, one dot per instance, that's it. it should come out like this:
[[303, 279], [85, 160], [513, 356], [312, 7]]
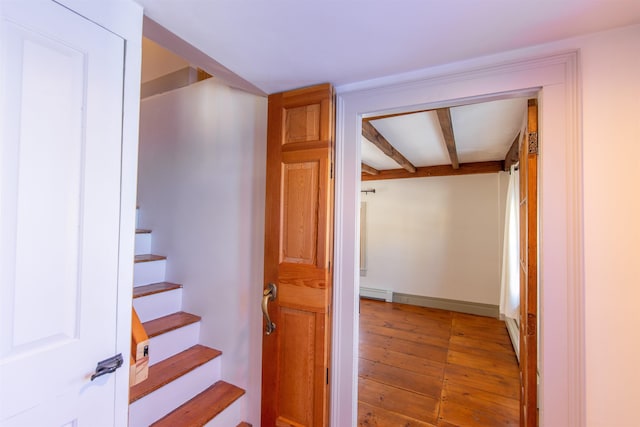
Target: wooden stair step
[[168, 323], [148, 258], [203, 407], [174, 367], [154, 288], [244, 424], [142, 231]]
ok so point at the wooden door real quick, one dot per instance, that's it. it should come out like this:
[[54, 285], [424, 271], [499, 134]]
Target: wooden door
[[298, 257], [61, 82], [528, 170]]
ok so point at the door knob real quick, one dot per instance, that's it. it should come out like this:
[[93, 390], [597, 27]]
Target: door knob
[[269, 294]]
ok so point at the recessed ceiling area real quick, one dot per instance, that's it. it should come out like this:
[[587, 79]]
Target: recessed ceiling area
[[476, 133]]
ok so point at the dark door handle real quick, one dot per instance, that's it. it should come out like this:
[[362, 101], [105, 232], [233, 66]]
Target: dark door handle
[[108, 366]]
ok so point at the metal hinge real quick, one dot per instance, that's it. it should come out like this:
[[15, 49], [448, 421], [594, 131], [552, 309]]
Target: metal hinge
[[327, 375], [533, 142], [331, 173]]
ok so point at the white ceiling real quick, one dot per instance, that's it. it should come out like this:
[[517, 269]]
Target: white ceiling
[[284, 44], [483, 132]]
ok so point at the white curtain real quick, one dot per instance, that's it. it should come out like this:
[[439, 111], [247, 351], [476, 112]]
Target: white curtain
[[510, 286]]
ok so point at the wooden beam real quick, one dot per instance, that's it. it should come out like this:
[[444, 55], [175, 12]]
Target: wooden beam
[[513, 155], [369, 170], [372, 134], [444, 117], [441, 170]]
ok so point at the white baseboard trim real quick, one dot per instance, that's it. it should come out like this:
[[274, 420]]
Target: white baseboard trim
[[468, 307], [379, 294], [514, 335]]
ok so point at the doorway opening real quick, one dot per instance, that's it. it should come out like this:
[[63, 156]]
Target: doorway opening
[[432, 227], [555, 79]]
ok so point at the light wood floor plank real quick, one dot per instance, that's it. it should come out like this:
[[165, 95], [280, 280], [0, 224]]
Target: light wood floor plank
[[427, 367]]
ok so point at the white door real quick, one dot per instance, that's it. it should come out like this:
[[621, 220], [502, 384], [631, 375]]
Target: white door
[[60, 160]]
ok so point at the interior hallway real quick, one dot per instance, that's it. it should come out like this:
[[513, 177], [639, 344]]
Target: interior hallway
[[427, 367]]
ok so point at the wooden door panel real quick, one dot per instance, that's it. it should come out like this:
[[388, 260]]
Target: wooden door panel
[[298, 251], [528, 168], [300, 212], [302, 124]]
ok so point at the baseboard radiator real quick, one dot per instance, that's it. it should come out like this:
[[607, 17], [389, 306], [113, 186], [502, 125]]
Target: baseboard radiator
[[378, 294]]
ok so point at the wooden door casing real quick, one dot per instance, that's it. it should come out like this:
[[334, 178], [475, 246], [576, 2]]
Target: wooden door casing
[[528, 170], [298, 255]]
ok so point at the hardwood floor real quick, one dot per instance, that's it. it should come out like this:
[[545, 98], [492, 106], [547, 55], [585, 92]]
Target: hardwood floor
[[426, 367]]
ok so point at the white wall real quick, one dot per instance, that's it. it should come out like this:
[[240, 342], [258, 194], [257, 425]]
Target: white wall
[[611, 138], [609, 91], [201, 191], [436, 237]]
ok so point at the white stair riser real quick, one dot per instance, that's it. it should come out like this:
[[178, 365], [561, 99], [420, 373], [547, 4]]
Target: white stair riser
[[158, 305], [231, 416], [143, 243], [173, 342], [145, 273], [155, 405]]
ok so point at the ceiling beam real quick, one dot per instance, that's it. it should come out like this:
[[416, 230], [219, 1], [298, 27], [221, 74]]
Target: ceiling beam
[[372, 134], [444, 117], [513, 155], [369, 170], [440, 170]]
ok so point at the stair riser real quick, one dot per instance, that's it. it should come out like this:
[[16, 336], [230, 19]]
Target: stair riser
[[143, 243], [173, 342], [145, 273], [154, 406], [231, 416], [158, 305]]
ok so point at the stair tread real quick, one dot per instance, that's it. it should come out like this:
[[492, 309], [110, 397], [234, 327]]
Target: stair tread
[[244, 424], [203, 407], [174, 367], [154, 288], [149, 257], [168, 323], [142, 231]]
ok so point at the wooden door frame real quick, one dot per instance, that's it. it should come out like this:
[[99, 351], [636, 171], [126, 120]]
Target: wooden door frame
[[562, 399]]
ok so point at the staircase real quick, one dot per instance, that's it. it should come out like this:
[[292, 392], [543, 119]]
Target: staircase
[[184, 387]]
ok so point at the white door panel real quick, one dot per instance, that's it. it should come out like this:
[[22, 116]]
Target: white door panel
[[60, 153]]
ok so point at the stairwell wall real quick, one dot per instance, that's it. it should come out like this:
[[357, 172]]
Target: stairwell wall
[[201, 187]]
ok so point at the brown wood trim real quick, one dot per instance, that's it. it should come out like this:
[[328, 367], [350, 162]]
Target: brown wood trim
[[203, 407], [203, 75], [139, 367], [142, 231], [169, 323], [148, 258], [444, 117], [372, 134], [154, 288], [440, 170], [369, 170]]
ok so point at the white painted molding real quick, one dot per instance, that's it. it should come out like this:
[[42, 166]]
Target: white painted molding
[[165, 38], [381, 294], [469, 307], [554, 79]]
